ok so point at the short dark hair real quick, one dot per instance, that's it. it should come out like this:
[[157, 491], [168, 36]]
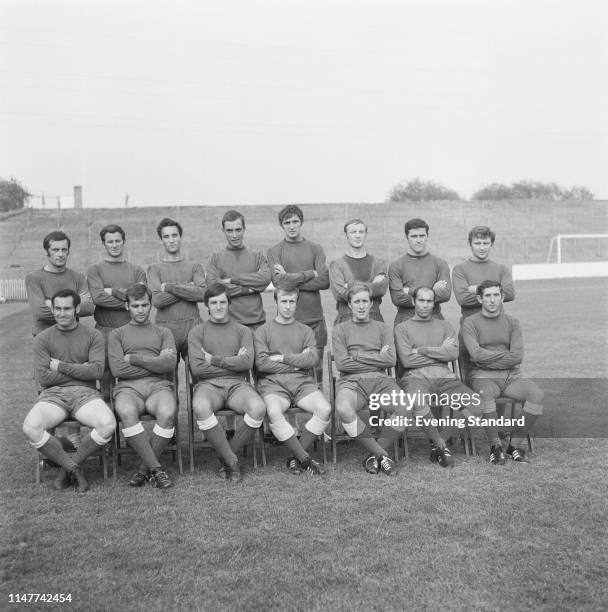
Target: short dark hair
[[290, 211], [355, 222], [486, 284], [481, 231], [111, 229], [55, 236], [357, 287], [233, 215], [416, 224], [417, 290], [167, 222], [214, 290], [65, 293], [137, 291], [286, 288]]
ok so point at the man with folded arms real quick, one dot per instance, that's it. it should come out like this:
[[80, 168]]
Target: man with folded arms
[[285, 350], [177, 286], [363, 349], [141, 355], [496, 348], [221, 354], [68, 360], [425, 346], [357, 266], [244, 273]]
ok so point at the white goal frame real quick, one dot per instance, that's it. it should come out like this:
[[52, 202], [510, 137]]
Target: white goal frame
[[557, 240]]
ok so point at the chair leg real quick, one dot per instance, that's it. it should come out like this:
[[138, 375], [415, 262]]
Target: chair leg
[[262, 445], [406, 450], [37, 471]]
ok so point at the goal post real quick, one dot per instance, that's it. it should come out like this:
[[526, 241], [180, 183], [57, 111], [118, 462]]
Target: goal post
[[569, 256], [557, 245]]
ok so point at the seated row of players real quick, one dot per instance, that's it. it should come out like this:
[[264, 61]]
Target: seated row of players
[[69, 358]]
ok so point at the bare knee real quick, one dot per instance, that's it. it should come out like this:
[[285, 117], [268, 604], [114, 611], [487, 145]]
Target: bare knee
[[345, 410], [323, 410], [106, 425], [165, 415], [127, 413], [275, 412], [202, 408], [537, 396], [256, 409], [32, 429]]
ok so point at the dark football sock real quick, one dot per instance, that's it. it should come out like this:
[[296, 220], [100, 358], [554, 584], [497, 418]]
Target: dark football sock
[[293, 444], [140, 443], [433, 433], [53, 450], [87, 447], [217, 437], [307, 439], [243, 436]]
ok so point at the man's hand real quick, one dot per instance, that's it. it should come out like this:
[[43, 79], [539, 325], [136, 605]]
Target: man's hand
[[206, 356], [107, 290], [162, 286], [279, 269], [54, 365], [225, 281], [385, 349], [242, 352], [120, 293], [450, 342], [48, 304], [472, 289], [167, 351], [440, 284], [378, 278], [406, 290], [277, 358], [127, 358]]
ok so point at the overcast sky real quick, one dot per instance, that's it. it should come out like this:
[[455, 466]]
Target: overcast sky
[[273, 101]]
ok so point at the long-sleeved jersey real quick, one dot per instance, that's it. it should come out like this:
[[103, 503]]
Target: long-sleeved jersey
[[427, 337], [184, 287], [249, 276], [493, 343], [357, 347], [289, 340], [144, 344], [345, 271], [41, 285], [417, 271], [80, 352], [223, 341], [473, 272], [119, 276], [300, 261]]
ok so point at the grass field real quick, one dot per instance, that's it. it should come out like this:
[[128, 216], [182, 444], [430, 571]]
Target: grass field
[[477, 537]]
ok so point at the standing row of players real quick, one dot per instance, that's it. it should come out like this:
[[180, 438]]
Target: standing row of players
[[296, 263]]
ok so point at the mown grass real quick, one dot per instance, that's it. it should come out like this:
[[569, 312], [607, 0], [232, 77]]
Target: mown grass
[[476, 537]]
